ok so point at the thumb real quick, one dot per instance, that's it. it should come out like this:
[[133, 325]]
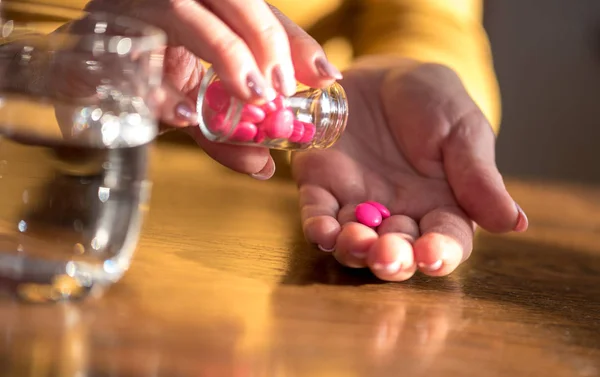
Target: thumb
[[469, 161]]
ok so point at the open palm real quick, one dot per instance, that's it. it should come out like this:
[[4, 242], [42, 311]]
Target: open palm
[[417, 143]]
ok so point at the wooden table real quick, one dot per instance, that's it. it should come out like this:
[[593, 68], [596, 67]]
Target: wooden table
[[223, 284]]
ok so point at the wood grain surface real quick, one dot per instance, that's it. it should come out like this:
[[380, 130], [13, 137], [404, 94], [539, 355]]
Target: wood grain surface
[[223, 284]]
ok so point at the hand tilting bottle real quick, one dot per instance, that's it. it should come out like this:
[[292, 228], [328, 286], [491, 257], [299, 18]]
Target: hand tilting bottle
[[312, 118]]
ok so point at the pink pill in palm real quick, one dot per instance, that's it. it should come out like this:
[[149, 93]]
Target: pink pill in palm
[[279, 125], [252, 114], [298, 132], [244, 132], [368, 215], [309, 132], [385, 213], [217, 97]]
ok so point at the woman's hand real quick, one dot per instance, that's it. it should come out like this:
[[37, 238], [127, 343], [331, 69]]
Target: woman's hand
[[255, 50], [417, 143]]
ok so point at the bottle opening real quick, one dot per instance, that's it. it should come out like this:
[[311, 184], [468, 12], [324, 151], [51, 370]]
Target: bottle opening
[[333, 116]]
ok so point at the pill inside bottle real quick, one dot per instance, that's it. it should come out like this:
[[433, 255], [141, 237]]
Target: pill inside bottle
[[311, 118]]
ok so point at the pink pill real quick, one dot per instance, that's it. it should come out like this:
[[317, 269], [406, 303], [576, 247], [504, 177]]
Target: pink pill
[[252, 114], [298, 132], [368, 215], [279, 125], [279, 102], [269, 107], [385, 213], [309, 132], [244, 132], [216, 124], [216, 97], [260, 136]]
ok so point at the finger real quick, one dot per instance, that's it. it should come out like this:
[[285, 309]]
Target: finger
[[310, 63], [240, 158], [184, 70], [446, 241], [182, 76], [347, 214], [192, 25], [469, 160], [173, 107], [391, 257], [400, 224], [254, 21], [318, 209], [353, 244]]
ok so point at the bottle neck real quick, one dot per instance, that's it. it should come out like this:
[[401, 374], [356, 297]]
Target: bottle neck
[[326, 108]]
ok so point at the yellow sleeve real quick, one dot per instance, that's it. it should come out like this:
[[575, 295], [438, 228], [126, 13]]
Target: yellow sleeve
[[42, 16], [448, 32]]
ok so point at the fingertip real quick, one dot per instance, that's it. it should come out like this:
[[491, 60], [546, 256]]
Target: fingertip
[[322, 231], [173, 107], [267, 171], [391, 258], [437, 254], [391, 247], [186, 114], [522, 221], [283, 80], [245, 84], [310, 63], [326, 70], [481, 193], [353, 244], [326, 250], [314, 70]]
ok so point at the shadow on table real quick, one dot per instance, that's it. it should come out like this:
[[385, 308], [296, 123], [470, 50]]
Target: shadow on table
[[551, 281], [561, 283]]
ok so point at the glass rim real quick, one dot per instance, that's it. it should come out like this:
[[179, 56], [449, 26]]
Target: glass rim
[[150, 36]]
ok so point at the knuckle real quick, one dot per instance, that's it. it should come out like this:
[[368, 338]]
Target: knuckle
[[272, 34], [471, 125], [227, 46]]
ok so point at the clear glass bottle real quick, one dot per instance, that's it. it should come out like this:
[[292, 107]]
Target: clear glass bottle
[[311, 118]]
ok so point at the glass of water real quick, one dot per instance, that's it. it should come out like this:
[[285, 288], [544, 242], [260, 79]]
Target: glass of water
[[77, 121]]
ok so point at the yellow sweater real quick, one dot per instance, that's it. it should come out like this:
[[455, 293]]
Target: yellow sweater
[[442, 31]]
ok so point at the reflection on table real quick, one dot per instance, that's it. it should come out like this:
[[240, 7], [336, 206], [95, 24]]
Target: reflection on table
[[223, 284]]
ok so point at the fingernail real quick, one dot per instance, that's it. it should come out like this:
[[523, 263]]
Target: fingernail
[[522, 221], [358, 254], [326, 250], [390, 268], [284, 82], [184, 111], [267, 171], [431, 267], [326, 69], [258, 88]]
